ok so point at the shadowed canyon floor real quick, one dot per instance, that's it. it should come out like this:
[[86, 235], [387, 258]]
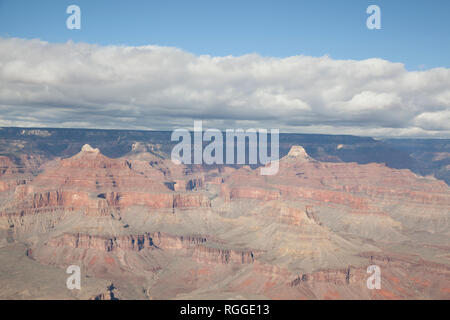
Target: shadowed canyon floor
[[141, 227]]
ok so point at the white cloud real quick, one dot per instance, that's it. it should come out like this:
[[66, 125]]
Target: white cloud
[[434, 120], [83, 85]]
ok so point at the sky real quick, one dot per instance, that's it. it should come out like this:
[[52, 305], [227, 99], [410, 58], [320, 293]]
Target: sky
[[300, 66]]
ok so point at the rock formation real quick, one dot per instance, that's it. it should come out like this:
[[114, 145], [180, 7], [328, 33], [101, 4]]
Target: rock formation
[[152, 229]]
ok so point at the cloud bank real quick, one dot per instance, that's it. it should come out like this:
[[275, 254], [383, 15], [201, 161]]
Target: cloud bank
[[153, 87]]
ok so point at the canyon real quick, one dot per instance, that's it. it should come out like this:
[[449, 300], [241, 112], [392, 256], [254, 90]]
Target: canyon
[[142, 227]]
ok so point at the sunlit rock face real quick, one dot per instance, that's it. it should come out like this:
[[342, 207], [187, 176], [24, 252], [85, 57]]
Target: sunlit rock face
[[140, 226], [298, 153]]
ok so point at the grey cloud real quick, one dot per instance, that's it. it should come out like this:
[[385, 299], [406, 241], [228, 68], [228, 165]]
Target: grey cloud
[[152, 87]]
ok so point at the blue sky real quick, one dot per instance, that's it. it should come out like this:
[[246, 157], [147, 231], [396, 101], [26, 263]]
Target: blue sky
[[416, 33]]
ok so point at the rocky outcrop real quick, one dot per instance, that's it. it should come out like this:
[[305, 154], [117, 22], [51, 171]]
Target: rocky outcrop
[[190, 245], [155, 200], [111, 293], [359, 187], [97, 185], [189, 184], [250, 192], [155, 240], [190, 201], [103, 204], [298, 154], [345, 276], [13, 174], [102, 243], [208, 255]]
